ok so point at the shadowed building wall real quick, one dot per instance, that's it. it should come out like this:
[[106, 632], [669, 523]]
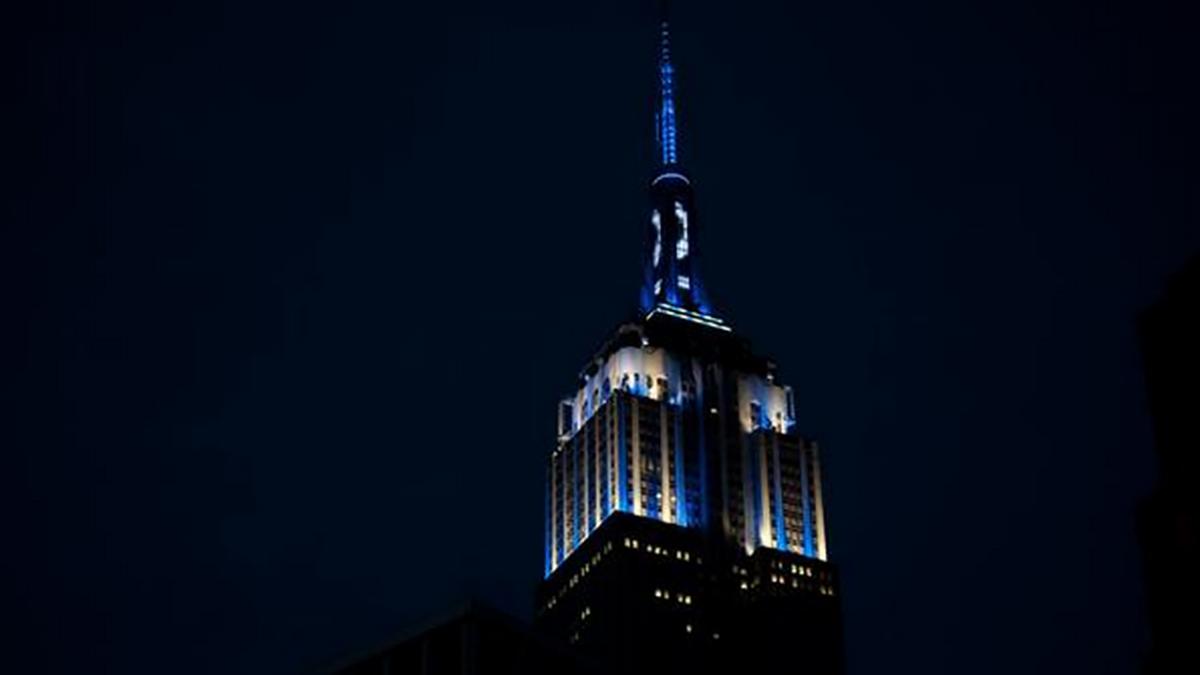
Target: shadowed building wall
[[1169, 519]]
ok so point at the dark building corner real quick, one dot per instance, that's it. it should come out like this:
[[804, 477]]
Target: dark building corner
[[1168, 520], [472, 639]]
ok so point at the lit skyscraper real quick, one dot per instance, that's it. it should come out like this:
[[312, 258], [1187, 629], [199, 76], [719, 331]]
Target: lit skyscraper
[[684, 515]]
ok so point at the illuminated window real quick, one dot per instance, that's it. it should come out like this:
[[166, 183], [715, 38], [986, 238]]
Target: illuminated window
[[684, 282], [657, 220], [681, 246]]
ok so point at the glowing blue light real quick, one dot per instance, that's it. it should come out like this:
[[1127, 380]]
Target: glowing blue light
[[666, 113], [781, 538], [549, 558], [576, 516], [622, 447], [681, 499], [806, 510], [668, 175]]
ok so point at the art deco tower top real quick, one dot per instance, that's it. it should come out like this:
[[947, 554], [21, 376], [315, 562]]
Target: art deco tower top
[[671, 282], [685, 522]]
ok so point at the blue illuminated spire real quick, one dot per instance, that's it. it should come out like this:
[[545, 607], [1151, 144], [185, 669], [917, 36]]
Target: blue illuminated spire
[[665, 115], [671, 281]]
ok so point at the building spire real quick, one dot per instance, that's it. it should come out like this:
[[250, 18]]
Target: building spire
[[665, 114], [671, 273]]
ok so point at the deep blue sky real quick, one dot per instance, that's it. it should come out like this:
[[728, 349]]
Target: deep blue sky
[[291, 290]]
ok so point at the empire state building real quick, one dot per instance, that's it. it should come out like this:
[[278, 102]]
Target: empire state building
[[685, 521]]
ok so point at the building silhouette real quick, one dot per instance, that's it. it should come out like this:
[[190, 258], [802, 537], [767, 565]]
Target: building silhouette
[[1169, 519], [471, 639], [685, 519]]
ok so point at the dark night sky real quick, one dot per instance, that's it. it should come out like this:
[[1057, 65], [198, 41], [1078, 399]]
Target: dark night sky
[[292, 289]]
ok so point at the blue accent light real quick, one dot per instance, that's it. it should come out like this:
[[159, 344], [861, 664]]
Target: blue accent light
[[781, 540], [750, 457], [622, 423], [681, 500], [575, 493], [699, 296], [548, 566], [666, 112], [806, 510], [669, 175], [606, 497], [701, 435]]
